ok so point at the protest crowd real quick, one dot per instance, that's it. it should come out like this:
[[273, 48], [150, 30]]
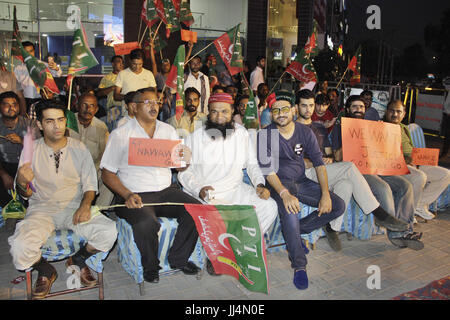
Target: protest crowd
[[237, 142]]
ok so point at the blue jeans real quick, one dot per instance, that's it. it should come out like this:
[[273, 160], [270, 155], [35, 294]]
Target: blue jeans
[[395, 195], [308, 192]]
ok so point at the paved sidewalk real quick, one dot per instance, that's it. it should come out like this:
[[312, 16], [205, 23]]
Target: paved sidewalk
[[332, 275]]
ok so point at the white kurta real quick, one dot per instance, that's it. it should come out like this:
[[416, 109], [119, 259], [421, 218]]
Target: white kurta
[[219, 163], [58, 196]]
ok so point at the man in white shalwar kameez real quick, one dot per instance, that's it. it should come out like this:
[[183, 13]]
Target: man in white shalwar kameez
[[215, 173]]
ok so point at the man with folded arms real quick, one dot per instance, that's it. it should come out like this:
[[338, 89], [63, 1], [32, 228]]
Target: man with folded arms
[[136, 185], [281, 149], [65, 183]]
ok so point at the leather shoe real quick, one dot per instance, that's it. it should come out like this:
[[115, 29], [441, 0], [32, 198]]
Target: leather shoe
[[43, 285], [189, 268], [86, 277], [210, 268], [333, 238], [151, 276], [391, 223]]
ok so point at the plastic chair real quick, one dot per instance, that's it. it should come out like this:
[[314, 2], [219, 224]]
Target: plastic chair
[[130, 257], [60, 245]]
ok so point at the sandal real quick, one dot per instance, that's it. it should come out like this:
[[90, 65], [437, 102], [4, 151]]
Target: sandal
[[411, 240]]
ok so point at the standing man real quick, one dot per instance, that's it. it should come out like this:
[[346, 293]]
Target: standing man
[[395, 193], [344, 179], [106, 88], [65, 182], [8, 82], [133, 78], [428, 181], [191, 119], [281, 149], [136, 185], [29, 88], [195, 78], [13, 128], [257, 75]]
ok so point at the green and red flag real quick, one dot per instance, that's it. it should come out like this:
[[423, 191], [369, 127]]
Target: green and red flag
[[355, 66], [82, 58], [148, 13], [185, 13], [251, 115], [175, 80], [230, 50], [232, 239], [302, 69], [172, 19], [311, 48], [39, 72]]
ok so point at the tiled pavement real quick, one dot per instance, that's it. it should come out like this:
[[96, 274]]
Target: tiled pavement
[[332, 275]]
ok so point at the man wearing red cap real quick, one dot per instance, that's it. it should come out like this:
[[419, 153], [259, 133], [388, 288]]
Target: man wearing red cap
[[220, 151]]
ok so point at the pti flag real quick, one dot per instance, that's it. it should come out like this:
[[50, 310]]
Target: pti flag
[[175, 80], [251, 118], [38, 71], [230, 50], [82, 58], [186, 14], [311, 47], [355, 66], [232, 239], [171, 17], [302, 69], [148, 13]]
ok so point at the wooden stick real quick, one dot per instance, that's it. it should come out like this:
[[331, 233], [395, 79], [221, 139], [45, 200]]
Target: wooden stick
[[144, 205], [156, 32], [140, 26], [275, 83], [198, 53], [143, 35], [70, 93], [342, 78]]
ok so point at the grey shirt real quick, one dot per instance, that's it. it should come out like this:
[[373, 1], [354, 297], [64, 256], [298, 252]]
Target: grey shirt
[[10, 152]]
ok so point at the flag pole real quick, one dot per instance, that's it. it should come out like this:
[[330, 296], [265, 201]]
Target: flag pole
[[157, 29], [144, 205], [70, 93], [342, 78], [140, 26], [198, 53], [276, 83], [143, 35]]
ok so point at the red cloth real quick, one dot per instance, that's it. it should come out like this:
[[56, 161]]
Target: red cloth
[[221, 97], [326, 117]]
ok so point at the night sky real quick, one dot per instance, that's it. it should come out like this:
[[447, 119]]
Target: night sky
[[402, 21]]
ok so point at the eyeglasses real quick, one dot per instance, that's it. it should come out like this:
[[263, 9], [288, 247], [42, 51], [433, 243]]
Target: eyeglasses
[[276, 111], [152, 103]]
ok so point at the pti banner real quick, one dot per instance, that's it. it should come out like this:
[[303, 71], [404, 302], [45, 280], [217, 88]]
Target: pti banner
[[375, 147]]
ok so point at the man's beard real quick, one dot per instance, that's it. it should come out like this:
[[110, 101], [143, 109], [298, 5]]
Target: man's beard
[[6, 117], [191, 108], [358, 115], [225, 129]]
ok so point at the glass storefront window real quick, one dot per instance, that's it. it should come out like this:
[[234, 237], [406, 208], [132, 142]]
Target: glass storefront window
[[47, 24], [281, 35]]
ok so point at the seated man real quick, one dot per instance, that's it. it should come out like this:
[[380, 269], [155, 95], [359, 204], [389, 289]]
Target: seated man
[[395, 193], [321, 113], [371, 113], [344, 179], [281, 148], [428, 181], [220, 151], [65, 183], [13, 128], [191, 117], [136, 185], [94, 134]]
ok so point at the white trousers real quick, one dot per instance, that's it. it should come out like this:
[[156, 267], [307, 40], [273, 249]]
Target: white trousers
[[345, 180], [244, 194], [34, 230], [428, 183]]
